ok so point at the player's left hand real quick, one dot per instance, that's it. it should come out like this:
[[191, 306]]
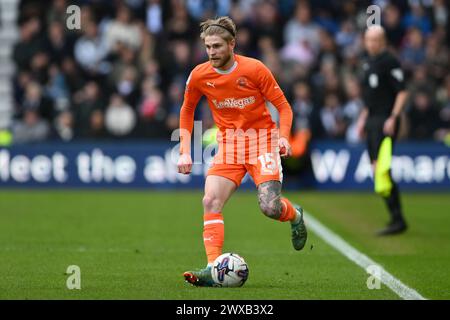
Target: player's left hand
[[285, 147], [389, 126]]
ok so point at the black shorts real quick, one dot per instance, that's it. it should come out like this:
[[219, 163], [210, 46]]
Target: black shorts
[[375, 135]]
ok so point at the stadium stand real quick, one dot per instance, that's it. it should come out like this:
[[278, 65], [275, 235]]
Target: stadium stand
[[122, 75]]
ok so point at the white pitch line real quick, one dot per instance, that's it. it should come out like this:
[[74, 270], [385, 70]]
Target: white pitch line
[[360, 259]]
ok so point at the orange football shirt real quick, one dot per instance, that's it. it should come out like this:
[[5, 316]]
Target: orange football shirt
[[236, 98]]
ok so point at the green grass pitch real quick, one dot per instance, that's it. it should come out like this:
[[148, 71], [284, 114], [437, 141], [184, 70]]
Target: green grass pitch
[[136, 245]]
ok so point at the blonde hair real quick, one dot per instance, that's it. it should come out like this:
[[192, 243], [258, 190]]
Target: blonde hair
[[222, 26]]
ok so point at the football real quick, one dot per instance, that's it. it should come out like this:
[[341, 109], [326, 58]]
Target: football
[[230, 270]]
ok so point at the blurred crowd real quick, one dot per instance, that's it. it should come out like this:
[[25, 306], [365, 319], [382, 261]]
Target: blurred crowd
[[122, 75]]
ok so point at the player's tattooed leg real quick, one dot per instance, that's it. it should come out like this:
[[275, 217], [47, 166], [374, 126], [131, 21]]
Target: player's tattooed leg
[[269, 199]]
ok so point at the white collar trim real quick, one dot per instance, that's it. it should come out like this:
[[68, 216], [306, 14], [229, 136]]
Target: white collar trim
[[227, 71]]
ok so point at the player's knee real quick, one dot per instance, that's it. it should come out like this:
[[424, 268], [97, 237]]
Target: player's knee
[[270, 209], [212, 203]]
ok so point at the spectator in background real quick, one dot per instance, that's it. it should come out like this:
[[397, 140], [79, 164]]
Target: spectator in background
[[174, 102], [440, 13], [436, 58], [301, 29], [246, 7], [391, 21], [325, 81], [64, 126], [302, 106], [59, 45], [180, 26], [304, 121], [136, 7], [204, 9], [120, 119], [39, 66], [329, 51], [420, 81], [21, 81], [91, 50], [326, 21], [443, 98], [151, 71], [413, 53], [240, 15], [152, 100], [180, 66], [349, 10], [266, 47], [266, 23], [149, 48], [352, 109], [89, 13], [152, 112], [332, 117], [346, 35], [57, 12], [423, 116], [72, 75], [443, 94], [127, 85], [124, 58], [36, 101], [299, 53], [88, 112], [350, 56], [417, 18], [31, 129], [244, 42], [29, 43], [122, 30], [297, 59], [56, 89], [154, 17]]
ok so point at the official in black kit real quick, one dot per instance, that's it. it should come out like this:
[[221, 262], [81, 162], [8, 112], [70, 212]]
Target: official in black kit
[[384, 97]]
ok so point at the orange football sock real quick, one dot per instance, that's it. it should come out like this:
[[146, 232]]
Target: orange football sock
[[288, 212], [213, 235]]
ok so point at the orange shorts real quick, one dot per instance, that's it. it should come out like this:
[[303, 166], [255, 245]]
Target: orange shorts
[[267, 168]]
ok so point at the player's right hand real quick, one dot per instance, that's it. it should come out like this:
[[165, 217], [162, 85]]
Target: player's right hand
[[185, 164]]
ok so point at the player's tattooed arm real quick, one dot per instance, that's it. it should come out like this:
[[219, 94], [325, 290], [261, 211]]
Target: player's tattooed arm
[[269, 198]]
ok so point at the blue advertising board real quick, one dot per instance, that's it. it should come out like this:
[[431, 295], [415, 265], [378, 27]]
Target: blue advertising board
[[415, 166], [335, 166]]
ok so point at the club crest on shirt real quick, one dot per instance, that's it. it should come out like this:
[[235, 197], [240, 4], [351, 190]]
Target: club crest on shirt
[[242, 82]]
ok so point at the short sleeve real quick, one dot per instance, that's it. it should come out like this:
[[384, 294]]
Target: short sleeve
[[395, 75]]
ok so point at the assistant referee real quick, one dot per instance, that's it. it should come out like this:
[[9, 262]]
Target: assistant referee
[[384, 97]]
